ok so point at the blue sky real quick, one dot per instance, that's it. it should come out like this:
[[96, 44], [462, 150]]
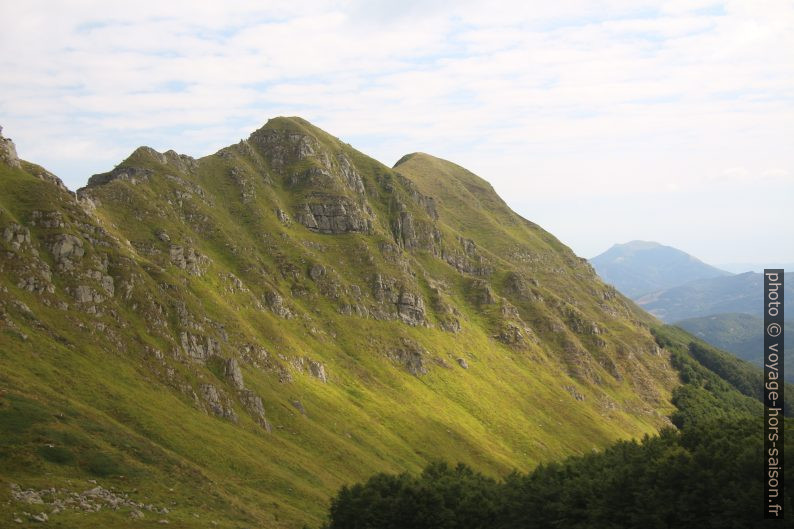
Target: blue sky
[[602, 121]]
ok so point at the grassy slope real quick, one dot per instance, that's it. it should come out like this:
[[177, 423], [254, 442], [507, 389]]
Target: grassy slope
[[110, 408]]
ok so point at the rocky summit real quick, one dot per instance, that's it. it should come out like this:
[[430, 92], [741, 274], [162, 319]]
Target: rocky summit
[[233, 338]]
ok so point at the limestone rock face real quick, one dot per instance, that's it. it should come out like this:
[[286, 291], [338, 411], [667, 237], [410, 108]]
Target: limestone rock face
[[414, 234], [350, 175], [411, 308], [333, 215], [282, 147], [198, 348]]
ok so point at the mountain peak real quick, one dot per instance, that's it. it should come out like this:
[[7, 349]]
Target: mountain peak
[[639, 267], [639, 245]]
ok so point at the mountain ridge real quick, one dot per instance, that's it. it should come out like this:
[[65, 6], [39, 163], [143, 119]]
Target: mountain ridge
[[286, 315]]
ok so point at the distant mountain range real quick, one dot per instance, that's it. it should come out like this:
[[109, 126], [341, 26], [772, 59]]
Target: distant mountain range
[[720, 308], [741, 293], [640, 267]]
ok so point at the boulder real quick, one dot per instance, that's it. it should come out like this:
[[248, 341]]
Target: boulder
[[317, 370], [66, 247]]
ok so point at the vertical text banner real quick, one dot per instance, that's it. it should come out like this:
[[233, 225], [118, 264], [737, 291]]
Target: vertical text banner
[[773, 393]]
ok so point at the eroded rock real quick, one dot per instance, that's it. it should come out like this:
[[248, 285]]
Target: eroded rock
[[233, 374], [333, 215], [188, 259], [218, 403]]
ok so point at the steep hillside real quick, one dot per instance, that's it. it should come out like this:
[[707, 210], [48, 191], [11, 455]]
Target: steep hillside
[[640, 267], [231, 339], [713, 455], [740, 334]]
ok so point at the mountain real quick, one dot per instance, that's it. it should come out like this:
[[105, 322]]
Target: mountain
[[740, 334], [742, 293], [722, 309], [226, 341], [640, 267]]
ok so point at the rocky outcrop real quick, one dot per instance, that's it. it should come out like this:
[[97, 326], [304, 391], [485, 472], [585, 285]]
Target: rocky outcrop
[[277, 305], [333, 215], [233, 374], [414, 234], [282, 147], [66, 249], [411, 356], [133, 175], [411, 308], [517, 287], [574, 392], [350, 175], [578, 323], [317, 370], [282, 216], [198, 348], [86, 294], [480, 293], [46, 219], [93, 500], [16, 236], [218, 403], [253, 404], [8, 152], [401, 302], [188, 259], [511, 334]]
